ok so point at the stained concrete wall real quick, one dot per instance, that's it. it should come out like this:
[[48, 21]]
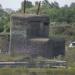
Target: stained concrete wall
[[4, 44], [46, 47], [31, 26], [30, 35]]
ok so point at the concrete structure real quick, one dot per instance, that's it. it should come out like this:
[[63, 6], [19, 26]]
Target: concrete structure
[[32, 26], [4, 43], [30, 35]]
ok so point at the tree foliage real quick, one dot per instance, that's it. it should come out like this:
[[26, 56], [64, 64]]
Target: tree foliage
[[4, 19], [28, 4], [55, 12]]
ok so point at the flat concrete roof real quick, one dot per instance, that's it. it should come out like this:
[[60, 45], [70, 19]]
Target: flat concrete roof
[[27, 15], [30, 16]]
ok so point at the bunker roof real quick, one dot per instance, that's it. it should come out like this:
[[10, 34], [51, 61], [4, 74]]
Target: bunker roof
[[30, 16]]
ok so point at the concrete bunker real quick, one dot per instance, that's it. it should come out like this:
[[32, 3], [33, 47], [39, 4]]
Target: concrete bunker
[[30, 35]]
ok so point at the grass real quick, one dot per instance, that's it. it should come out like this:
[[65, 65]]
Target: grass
[[10, 58], [70, 56], [36, 71]]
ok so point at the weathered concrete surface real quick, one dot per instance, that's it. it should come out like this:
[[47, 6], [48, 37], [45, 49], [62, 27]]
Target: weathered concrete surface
[[30, 35], [34, 47], [4, 43], [31, 26]]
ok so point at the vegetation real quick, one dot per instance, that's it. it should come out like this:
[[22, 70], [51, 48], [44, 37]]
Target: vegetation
[[70, 56], [4, 20], [11, 58], [58, 15], [55, 12], [34, 71]]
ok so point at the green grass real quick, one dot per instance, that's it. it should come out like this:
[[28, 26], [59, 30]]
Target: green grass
[[10, 58], [36, 71], [70, 56]]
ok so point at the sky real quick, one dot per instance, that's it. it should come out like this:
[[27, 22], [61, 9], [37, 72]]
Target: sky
[[16, 4]]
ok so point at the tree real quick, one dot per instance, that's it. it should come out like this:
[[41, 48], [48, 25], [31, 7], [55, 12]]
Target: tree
[[54, 5], [72, 5], [36, 3], [0, 6], [46, 3], [51, 5], [4, 19], [56, 13], [65, 6], [28, 4]]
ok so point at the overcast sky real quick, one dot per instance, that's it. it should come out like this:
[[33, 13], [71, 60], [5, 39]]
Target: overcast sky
[[16, 4]]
